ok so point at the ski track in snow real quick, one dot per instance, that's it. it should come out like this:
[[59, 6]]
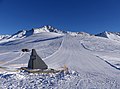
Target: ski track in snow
[[55, 51], [21, 55], [4, 53]]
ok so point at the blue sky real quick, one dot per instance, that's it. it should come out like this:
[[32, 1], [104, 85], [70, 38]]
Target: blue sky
[[91, 16]]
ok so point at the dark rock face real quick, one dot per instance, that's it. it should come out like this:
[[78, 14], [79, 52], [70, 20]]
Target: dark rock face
[[36, 62]]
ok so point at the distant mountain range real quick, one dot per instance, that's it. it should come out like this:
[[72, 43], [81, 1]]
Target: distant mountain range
[[25, 33], [110, 35]]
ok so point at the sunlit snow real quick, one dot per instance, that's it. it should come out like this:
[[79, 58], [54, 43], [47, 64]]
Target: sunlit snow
[[93, 62]]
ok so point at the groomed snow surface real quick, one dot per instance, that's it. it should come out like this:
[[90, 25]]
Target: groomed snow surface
[[93, 62]]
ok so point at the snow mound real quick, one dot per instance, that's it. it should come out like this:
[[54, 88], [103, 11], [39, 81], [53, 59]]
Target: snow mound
[[61, 80]]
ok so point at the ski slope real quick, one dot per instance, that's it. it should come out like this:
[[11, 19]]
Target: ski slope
[[93, 62], [72, 54]]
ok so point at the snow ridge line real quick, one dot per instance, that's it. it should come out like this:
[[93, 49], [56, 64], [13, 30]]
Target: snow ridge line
[[108, 63], [85, 47], [21, 55], [56, 51], [4, 53]]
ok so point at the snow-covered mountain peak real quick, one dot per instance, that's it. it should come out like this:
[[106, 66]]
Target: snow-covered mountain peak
[[39, 30], [110, 35], [103, 34], [47, 28], [4, 36], [25, 33], [19, 34]]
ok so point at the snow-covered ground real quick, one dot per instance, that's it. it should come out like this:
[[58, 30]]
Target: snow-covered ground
[[93, 62]]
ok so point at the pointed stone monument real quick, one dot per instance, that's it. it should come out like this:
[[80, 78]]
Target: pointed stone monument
[[36, 62]]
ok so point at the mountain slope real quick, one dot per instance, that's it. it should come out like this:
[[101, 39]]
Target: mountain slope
[[26, 33], [110, 35], [92, 61]]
